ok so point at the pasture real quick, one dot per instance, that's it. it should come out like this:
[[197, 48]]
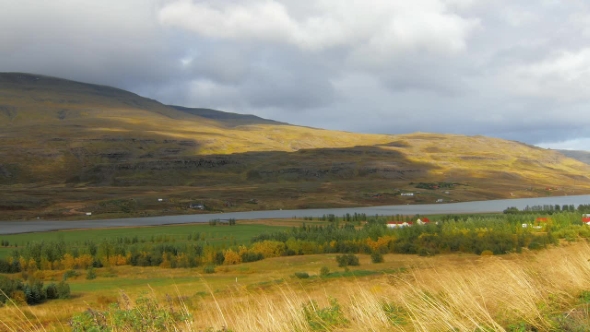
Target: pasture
[[471, 273]]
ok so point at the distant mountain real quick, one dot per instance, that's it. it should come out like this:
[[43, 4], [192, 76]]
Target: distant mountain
[[583, 156], [66, 146], [227, 118]]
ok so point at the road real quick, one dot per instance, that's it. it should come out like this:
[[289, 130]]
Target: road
[[15, 227]]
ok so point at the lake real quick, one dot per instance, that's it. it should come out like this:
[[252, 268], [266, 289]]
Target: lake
[[13, 227]]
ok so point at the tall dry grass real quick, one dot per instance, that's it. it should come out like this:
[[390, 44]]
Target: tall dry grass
[[533, 290]]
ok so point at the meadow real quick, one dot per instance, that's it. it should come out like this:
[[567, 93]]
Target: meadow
[[533, 278], [242, 233]]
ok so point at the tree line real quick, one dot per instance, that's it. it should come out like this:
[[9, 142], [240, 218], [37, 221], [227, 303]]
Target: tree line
[[497, 234]]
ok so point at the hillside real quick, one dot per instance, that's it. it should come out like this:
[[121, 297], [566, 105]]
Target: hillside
[[68, 147], [227, 118], [583, 156]]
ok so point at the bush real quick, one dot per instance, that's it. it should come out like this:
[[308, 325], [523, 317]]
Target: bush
[[302, 275], [34, 292], [51, 292], [90, 274], [63, 290], [324, 319], [251, 257], [487, 253], [148, 314], [18, 297], [377, 257], [70, 274], [209, 269], [6, 267], [7, 287], [347, 260], [324, 271]]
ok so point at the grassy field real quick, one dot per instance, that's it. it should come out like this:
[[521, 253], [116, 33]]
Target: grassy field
[[525, 290], [213, 235], [532, 291]]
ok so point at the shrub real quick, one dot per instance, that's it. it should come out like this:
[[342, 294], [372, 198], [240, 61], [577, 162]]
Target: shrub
[[324, 319], [377, 257], [324, 271], [209, 269], [7, 287], [147, 315], [347, 260], [63, 290], [535, 245], [584, 297], [18, 297], [219, 258], [34, 292], [251, 257], [90, 274], [396, 315], [51, 292], [7, 267], [487, 253], [70, 274], [302, 275]]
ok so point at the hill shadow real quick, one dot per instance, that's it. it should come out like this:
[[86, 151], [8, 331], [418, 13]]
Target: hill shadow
[[324, 164]]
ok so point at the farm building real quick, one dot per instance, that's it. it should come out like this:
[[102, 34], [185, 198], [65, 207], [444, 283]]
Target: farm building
[[399, 224]]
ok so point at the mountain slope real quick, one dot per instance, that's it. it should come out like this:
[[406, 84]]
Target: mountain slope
[[59, 138], [227, 118], [583, 156]]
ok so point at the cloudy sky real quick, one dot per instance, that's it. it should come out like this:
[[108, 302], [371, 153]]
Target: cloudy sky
[[514, 69]]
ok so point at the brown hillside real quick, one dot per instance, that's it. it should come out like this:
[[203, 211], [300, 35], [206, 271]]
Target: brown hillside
[[60, 138]]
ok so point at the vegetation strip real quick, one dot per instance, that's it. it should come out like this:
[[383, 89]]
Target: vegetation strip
[[216, 247]]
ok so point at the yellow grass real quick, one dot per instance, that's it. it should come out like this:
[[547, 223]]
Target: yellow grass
[[460, 292]]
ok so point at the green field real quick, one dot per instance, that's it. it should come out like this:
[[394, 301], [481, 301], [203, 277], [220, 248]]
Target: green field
[[213, 235], [215, 275]]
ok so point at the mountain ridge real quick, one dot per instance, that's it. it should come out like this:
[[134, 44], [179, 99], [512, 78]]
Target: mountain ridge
[[60, 138]]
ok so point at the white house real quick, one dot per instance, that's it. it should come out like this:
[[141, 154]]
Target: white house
[[398, 224]]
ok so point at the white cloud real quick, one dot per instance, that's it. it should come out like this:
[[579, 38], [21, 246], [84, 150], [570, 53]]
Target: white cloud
[[384, 26], [506, 68], [564, 76]]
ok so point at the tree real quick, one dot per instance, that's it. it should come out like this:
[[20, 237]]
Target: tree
[[377, 257], [347, 260]]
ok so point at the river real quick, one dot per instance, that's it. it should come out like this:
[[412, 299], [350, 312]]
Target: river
[[15, 227]]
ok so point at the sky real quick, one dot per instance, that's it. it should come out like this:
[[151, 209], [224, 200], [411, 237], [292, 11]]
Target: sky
[[513, 69]]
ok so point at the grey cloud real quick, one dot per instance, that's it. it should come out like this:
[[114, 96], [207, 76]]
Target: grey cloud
[[224, 65], [509, 68]]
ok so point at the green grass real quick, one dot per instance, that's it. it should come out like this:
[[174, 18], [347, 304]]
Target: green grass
[[363, 273], [214, 235], [114, 284]]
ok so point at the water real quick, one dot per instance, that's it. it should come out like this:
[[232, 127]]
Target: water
[[13, 227]]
